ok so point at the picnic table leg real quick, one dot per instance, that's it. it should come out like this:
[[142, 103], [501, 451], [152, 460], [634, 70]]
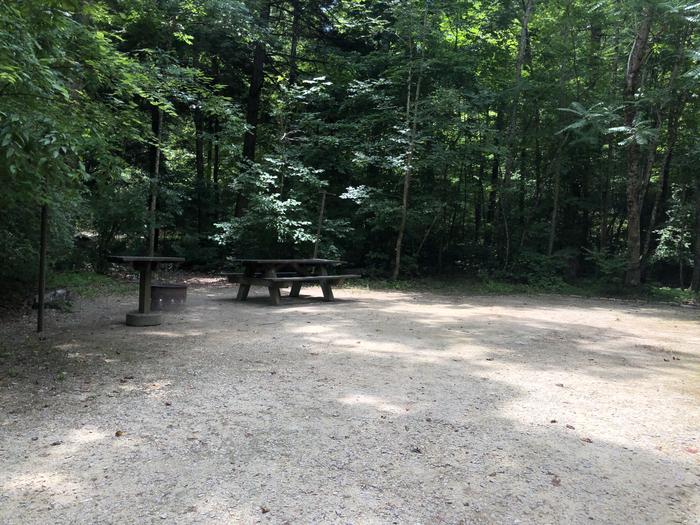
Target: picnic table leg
[[326, 286], [327, 292], [275, 295], [274, 290], [296, 288], [243, 290]]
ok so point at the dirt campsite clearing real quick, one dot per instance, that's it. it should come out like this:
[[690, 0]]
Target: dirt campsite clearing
[[383, 407]]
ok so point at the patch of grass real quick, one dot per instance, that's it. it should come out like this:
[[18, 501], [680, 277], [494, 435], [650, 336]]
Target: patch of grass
[[90, 285], [591, 288]]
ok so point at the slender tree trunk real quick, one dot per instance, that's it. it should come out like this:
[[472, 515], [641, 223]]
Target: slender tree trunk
[[634, 177], [322, 210], [199, 183], [532, 211], [522, 188], [296, 27], [43, 244], [538, 183], [215, 172], [157, 128], [512, 124], [253, 106], [695, 284], [427, 232], [478, 201], [407, 180], [555, 205], [411, 148], [491, 210], [605, 199]]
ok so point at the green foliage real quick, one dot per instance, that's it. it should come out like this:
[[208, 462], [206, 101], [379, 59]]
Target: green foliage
[[676, 236], [503, 169], [91, 285], [540, 271], [609, 268]]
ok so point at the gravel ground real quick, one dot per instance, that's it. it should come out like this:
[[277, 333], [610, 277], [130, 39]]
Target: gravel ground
[[378, 408]]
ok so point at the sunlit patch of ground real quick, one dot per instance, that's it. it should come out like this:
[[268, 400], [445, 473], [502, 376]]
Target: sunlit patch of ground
[[380, 407]]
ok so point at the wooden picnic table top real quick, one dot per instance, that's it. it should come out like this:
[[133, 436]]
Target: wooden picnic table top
[[328, 262], [144, 258]]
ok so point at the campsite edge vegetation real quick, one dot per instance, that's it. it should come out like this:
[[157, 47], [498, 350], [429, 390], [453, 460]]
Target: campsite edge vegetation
[[546, 144]]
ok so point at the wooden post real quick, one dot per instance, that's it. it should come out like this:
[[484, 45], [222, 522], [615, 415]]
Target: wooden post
[[42, 266], [320, 222]]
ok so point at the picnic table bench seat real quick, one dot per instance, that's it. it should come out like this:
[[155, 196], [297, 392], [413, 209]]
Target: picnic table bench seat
[[233, 276]]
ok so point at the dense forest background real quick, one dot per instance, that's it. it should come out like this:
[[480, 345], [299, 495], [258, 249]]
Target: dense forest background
[[537, 141]]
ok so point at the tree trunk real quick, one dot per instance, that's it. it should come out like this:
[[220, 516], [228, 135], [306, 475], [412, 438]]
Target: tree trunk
[[512, 124], [199, 183], [555, 206], [406, 182], [322, 210], [478, 201], [157, 128], [491, 210], [634, 177], [605, 199], [215, 171], [695, 284], [43, 243], [253, 106], [411, 148], [296, 26]]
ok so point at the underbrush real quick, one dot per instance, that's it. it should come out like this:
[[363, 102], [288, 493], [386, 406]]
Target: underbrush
[[489, 286], [90, 285]]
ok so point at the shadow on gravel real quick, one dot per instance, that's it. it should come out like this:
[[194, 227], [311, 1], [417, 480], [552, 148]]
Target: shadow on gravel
[[365, 410]]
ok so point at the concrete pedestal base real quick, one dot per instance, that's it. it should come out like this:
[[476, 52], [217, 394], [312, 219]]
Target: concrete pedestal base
[[139, 319]]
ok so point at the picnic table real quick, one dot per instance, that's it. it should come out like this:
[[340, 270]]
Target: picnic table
[[145, 266], [283, 273]]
